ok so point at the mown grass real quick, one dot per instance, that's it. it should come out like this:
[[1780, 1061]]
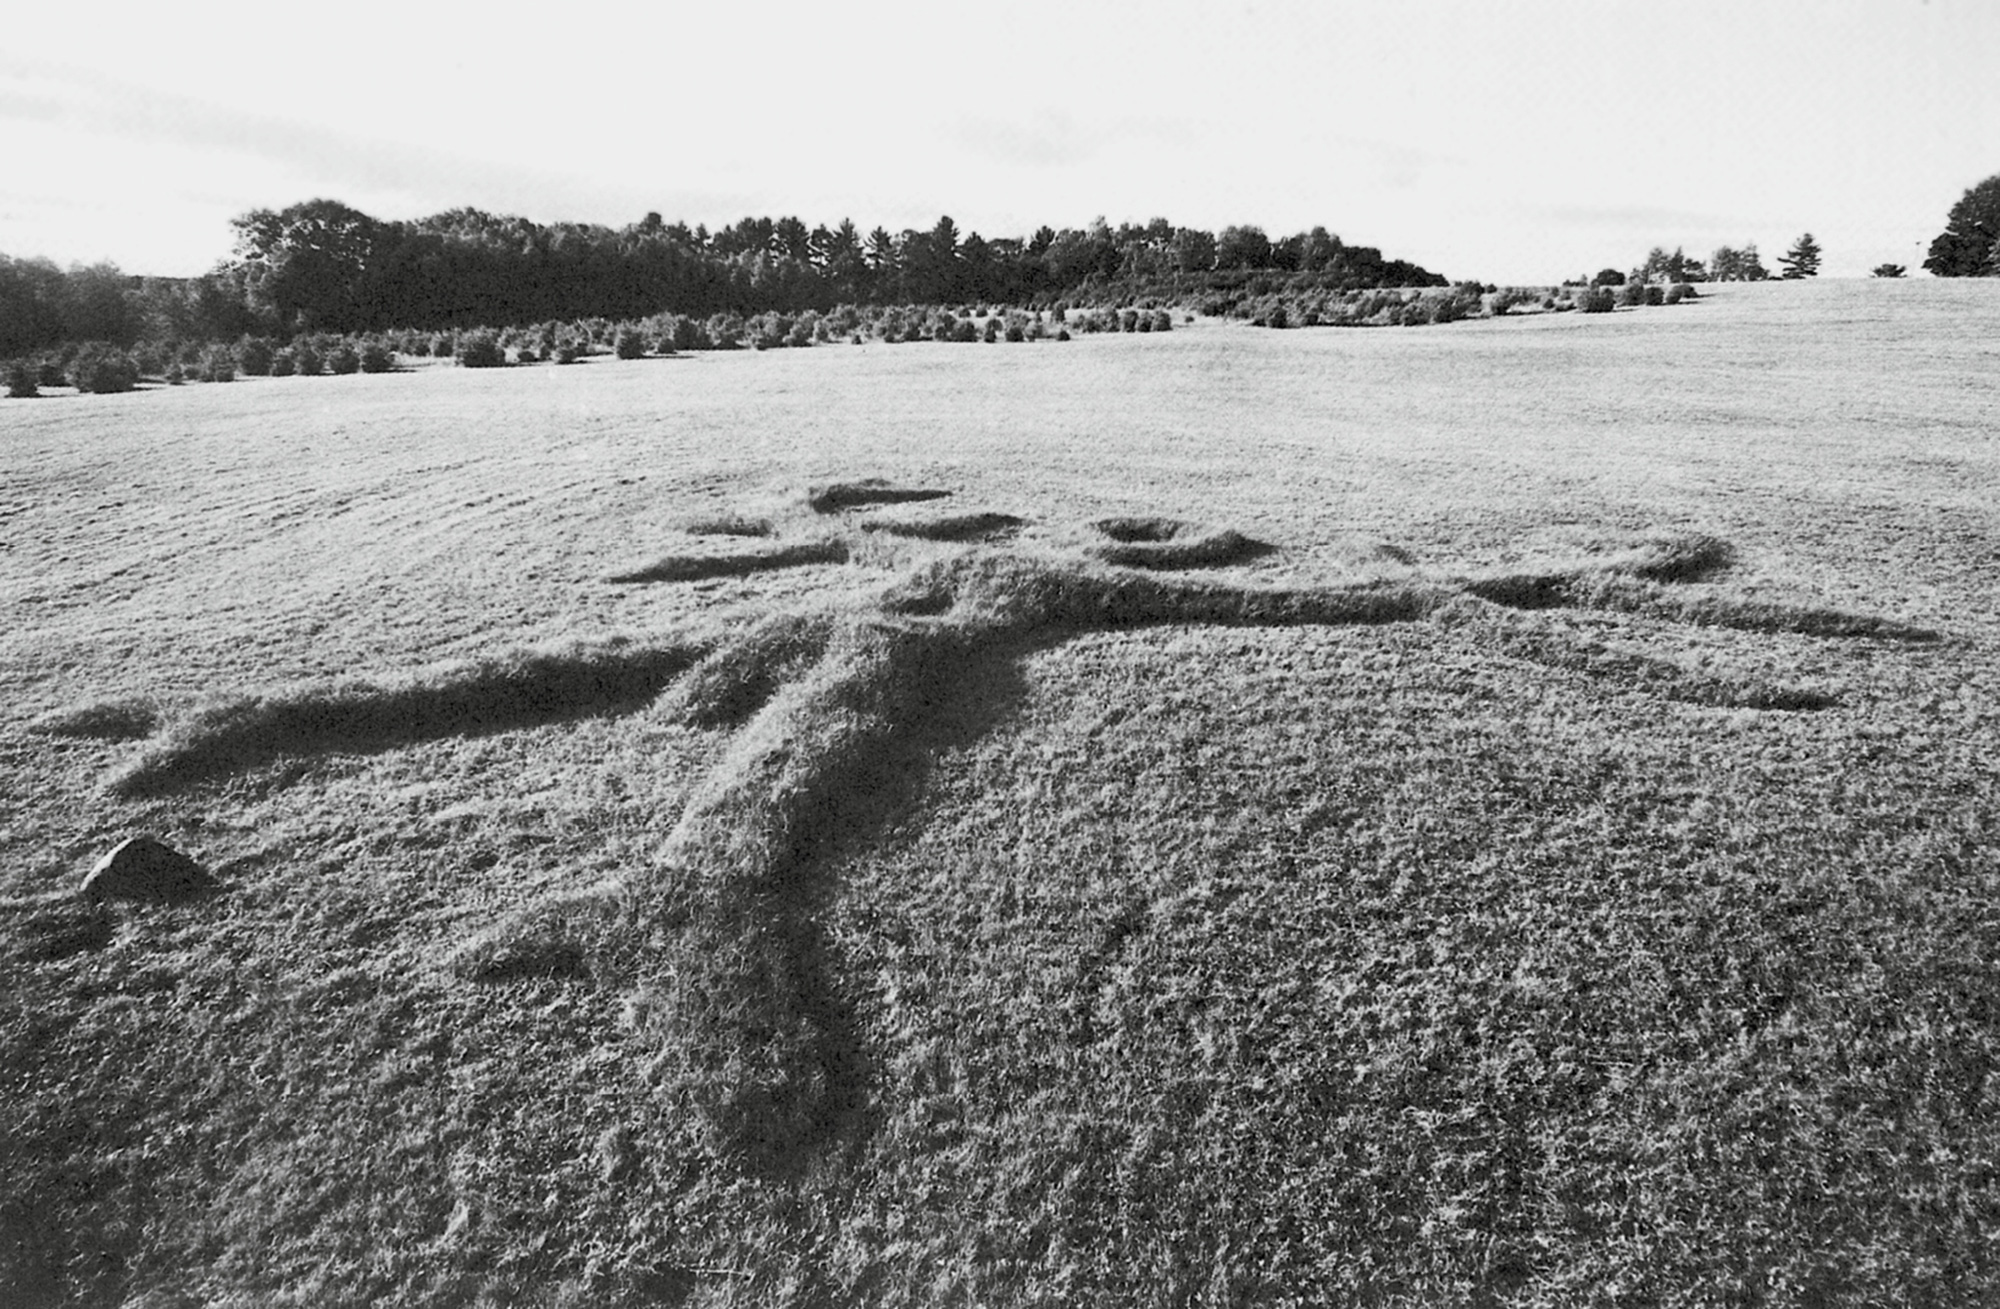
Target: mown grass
[[721, 937], [1152, 953]]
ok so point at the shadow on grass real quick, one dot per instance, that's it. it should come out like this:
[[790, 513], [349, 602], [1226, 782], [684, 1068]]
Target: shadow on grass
[[468, 699], [837, 496], [1169, 544], [952, 527], [701, 567]]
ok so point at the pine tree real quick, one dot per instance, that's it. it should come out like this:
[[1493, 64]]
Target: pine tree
[[1802, 260]]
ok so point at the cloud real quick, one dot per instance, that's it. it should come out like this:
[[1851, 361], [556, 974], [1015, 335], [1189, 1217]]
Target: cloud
[[1654, 217], [324, 159], [1051, 139]]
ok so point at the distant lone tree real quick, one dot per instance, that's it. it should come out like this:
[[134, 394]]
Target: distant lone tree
[[1966, 247], [1890, 270], [1802, 260]]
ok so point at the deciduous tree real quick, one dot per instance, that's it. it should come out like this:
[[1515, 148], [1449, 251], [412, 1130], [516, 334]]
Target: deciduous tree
[[1966, 247]]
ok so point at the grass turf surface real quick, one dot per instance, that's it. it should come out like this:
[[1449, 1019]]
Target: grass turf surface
[[1432, 962]]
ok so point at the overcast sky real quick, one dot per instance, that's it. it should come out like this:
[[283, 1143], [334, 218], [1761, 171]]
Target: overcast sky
[[1505, 140]]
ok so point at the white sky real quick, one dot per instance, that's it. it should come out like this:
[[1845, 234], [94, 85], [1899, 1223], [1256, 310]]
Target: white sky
[[1504, 140]]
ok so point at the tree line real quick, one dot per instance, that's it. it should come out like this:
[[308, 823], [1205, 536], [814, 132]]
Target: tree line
[[324, 266]]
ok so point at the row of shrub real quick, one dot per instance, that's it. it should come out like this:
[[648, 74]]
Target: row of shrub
[[1420, 308], [99, 367], [665, 334]]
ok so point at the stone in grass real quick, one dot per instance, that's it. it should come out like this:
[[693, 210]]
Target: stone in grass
[[143, 868], [617, 1154]]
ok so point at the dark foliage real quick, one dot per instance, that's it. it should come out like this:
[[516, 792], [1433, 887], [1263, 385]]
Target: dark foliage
[[102, 369], [218, 364], [254, 356], [1969, 246], [23, 378], [322, 266], [481, 350], [1596, 300]]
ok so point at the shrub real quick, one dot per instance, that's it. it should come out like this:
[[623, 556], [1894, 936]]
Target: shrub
[[991, 333], [54, 370], [101, 369], [1062, 334], [253, 356], [1656, 295], [1278, 318], [1128, 320], [725, 331], [965, 331], [343, 360], [218, 364], [526, 355], [1608, 277], [174, 374], [567, 351], [284, 363], [480, 349], [24, 378], [630, 345], [309, 361], [1596, 300], [1163, 321], [376, 357]]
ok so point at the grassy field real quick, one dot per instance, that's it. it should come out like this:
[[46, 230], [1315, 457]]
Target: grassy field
[[1496, 814]]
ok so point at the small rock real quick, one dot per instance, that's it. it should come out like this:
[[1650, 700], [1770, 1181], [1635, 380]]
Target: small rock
[[145, 869], [617, 1154]]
